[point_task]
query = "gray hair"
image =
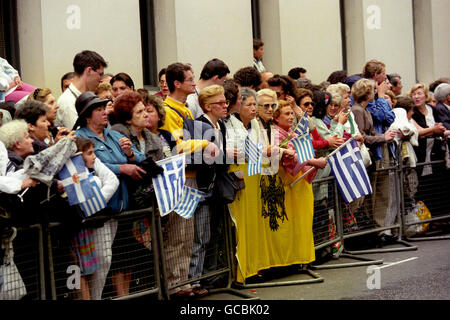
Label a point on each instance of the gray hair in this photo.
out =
(442, 91)
(13, 132)
(247, 92)
(336, 91)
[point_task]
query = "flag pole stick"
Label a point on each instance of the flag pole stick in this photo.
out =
(326, 157)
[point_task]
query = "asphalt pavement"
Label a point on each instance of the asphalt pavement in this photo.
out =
(421, 274)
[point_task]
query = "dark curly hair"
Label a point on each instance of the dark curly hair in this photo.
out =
(124, 105)
(248, 77)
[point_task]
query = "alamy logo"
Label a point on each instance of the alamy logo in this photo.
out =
(73, 21)
(374, 279)
(73, 280)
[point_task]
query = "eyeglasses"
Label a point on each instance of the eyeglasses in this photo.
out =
(100, 74)
(307, 104)
(189, 80)
(162, 82)
(221, 103)
(268, 105)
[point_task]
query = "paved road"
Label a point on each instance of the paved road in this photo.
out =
(422, 274)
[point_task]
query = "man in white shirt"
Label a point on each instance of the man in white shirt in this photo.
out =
(88, 67)
(258, 51)
(214, 72)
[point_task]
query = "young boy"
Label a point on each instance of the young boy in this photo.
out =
(99, 240)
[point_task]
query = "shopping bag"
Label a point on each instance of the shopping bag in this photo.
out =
(13, 287)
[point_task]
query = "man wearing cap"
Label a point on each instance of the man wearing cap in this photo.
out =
(442, 109)
(88, 67)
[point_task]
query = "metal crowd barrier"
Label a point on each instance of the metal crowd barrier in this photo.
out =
(380, 211)
(214, 261)
(126, 265)
(29, 259)
(148, 245)
(430, 196)
(328, 227)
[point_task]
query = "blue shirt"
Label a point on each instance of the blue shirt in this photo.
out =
(111, 154)
(382, 117)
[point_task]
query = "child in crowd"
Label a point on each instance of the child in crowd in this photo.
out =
(92, 246)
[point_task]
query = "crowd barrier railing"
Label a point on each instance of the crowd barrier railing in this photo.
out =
(328, 228)
(123, 265)
(47, 262)
(28, 257)
(185, 242)
(429, 198)
(379, 212)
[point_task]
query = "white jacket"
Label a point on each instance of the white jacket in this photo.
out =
(106, 179)
(11, 183)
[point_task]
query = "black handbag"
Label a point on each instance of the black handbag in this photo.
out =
(227, 186)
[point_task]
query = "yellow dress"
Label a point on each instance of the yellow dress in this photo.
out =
(261, 247)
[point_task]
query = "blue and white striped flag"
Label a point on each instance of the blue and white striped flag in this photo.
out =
(304, 147)
(351, 176)
(75, 178)
(169, 184)
(96, 203)
(302, 126)
(189, 202)
(254, 154)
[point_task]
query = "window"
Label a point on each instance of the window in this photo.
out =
(150, 73)
(256, 21)
(9, 43)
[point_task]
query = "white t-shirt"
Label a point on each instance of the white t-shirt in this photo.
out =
(67, 114)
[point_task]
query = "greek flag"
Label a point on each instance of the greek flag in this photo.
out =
(75, 178)
(303, 125)
(169, 184)
(96, 203)
(304, 147)
(254, 154)
(187, 205)
(351, 176)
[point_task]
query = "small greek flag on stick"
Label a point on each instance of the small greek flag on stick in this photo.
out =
(254, 154)
(304, 147)
(302, 126)
(75, 178)
(189, 202)
(351, 176)
(96, 203)
(169, 184)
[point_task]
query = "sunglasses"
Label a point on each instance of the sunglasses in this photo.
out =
(307, 104)
(221, 103)
(269, 105)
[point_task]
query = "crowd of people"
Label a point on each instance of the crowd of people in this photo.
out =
(117, 127)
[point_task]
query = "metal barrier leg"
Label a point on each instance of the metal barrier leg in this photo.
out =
(304, 269)
(228, 289)
(398, 192)
(362, 261)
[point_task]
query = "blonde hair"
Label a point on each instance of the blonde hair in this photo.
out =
(102, 87)
(267, 92)
(13, 132)
(361, 89)
(337, 91)
(425, 90)
(207, 93)
(39, 94)
(392, 96)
